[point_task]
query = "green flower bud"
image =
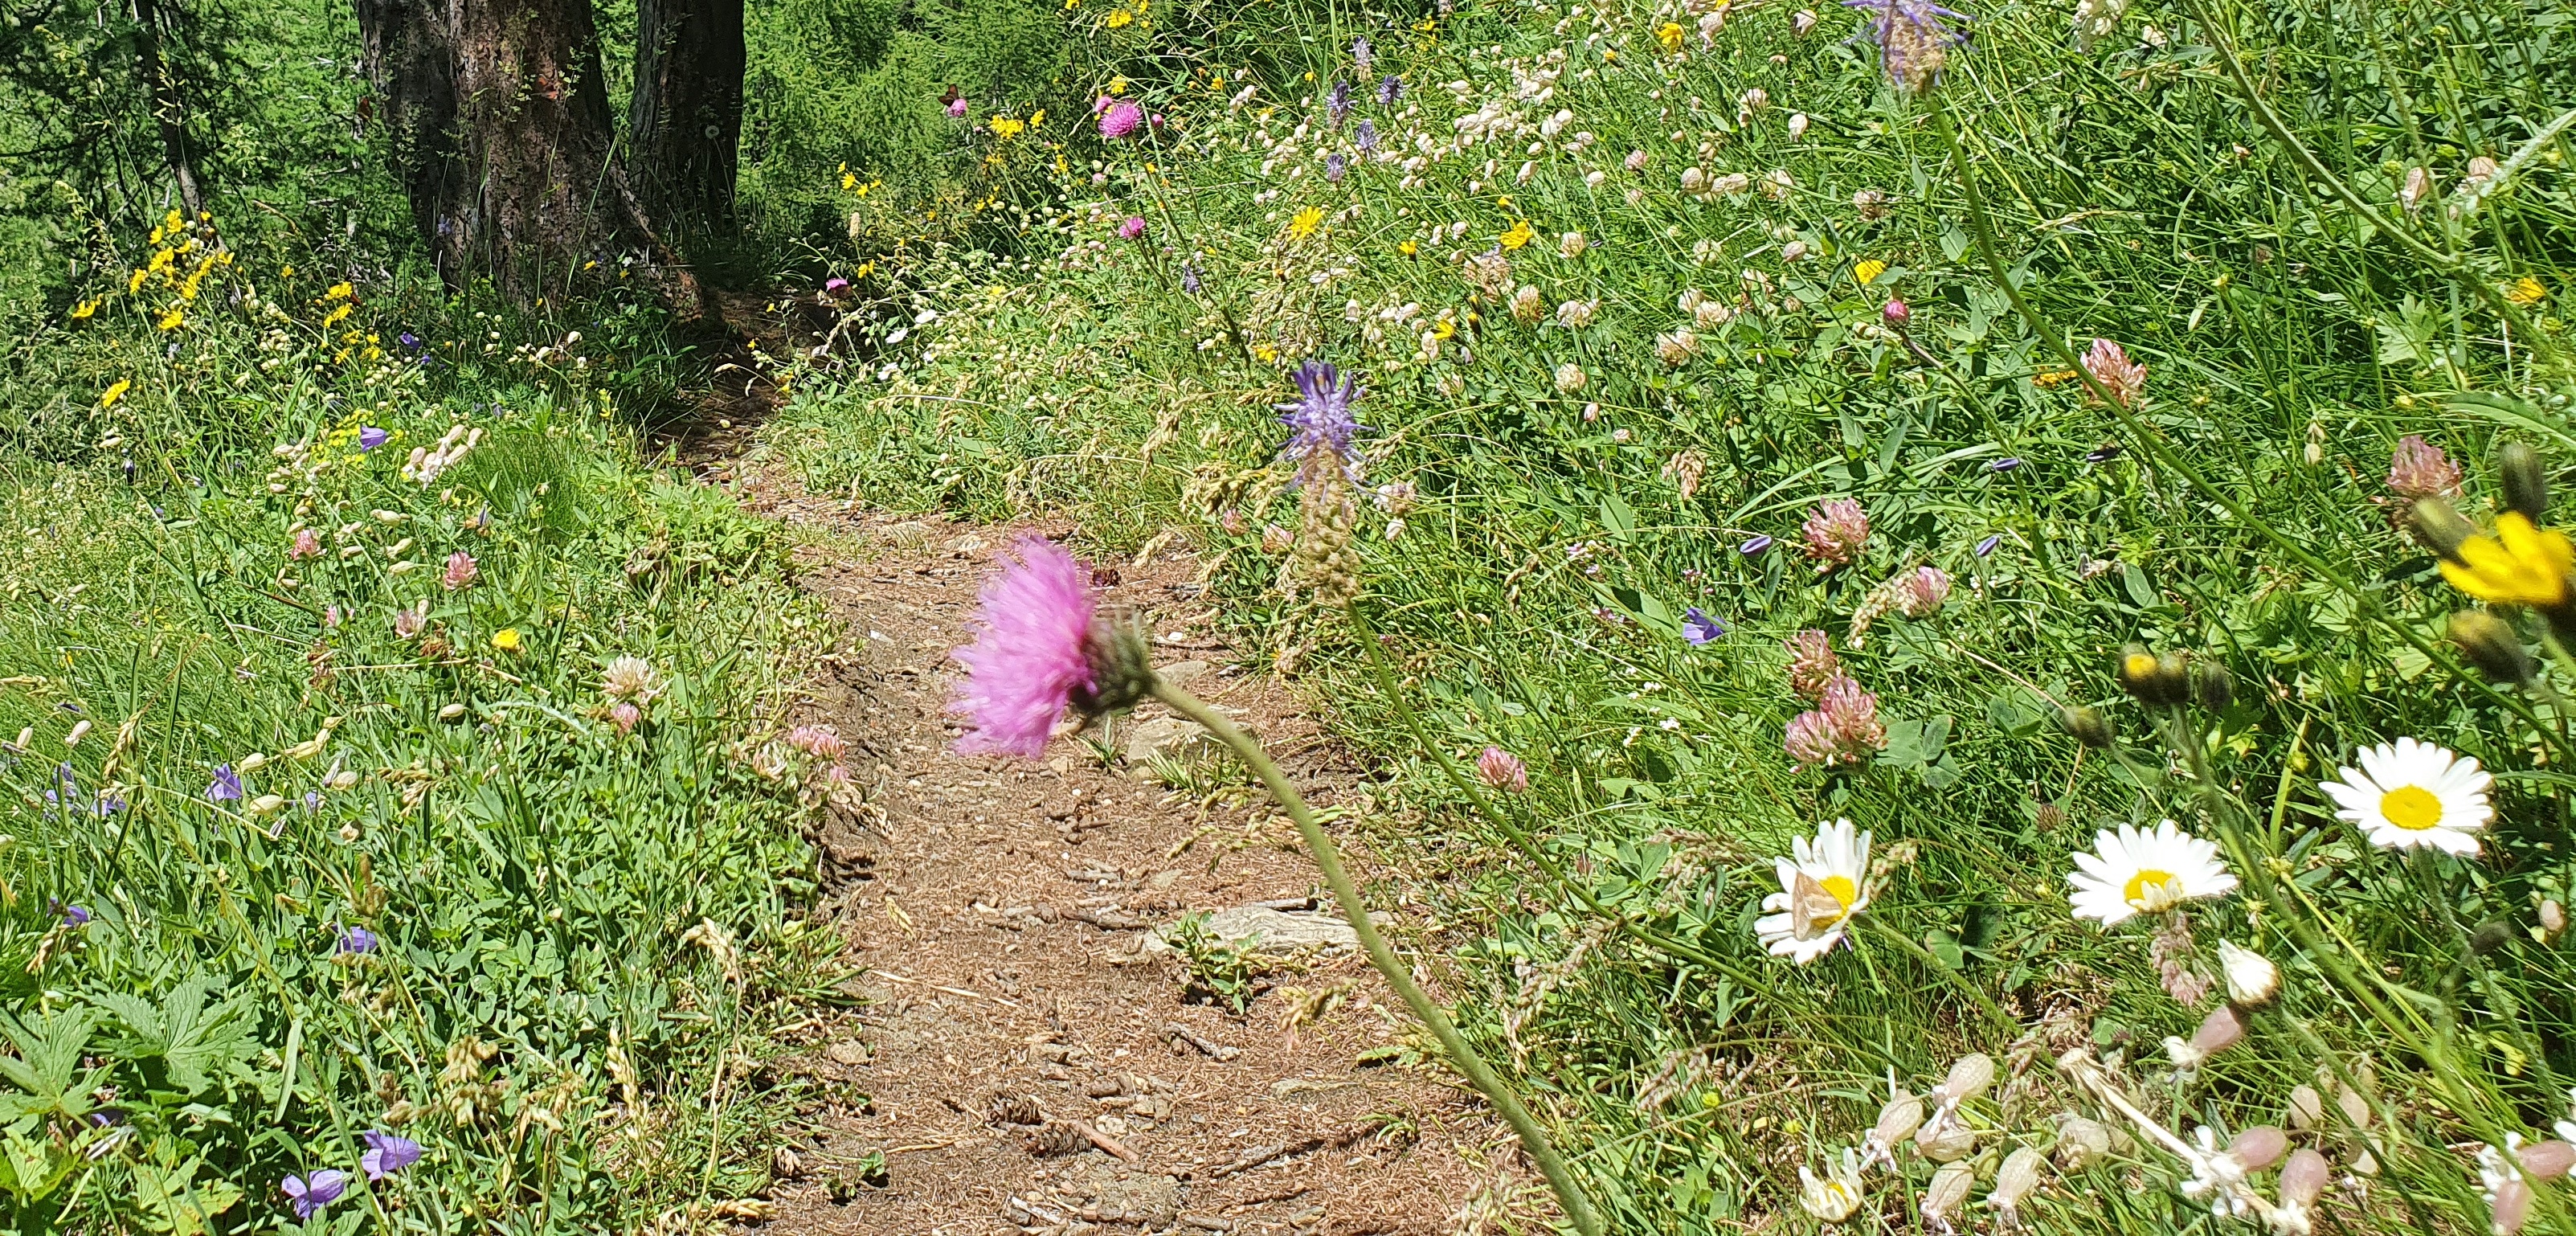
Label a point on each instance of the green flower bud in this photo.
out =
(1122, 667)
(2156, 680)
(2490, 644)
(2438, 527)
(2212, 685)
(2490, 936)
(2086, 725)
(2526, 482)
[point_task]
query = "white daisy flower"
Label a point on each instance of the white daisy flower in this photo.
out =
(2133, 872)
(1834, 1196)
(1820, 890)
(2409, 793)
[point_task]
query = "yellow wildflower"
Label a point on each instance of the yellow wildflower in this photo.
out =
(1304, 223)
(1520, 234)
(285, 272)
(848, 182)
(2526, 291)
(1005, 126)
(136, 283)
(81, 311)
(1670, 35)
(1266, 354)
(2052, 378)
(171, 320)
(2520, 565)
(107, 398)
(1037, 118)
(506, 639)
(1120, 18)
(339, 291)
(1117, 85)
(1408, 248)
(1869, 271)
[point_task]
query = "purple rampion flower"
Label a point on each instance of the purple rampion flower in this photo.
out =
(1389, 90)
(1337, 103)
(357, 940)
(1190, 281)
(1913, 38)
(1132, 228)
(1365, 137)
(409, 341)
(1031, 653)
(109, 804)
(1362, 55)
(1753, 545)
(308, 1194)
(1699, 628)
(1334, 166)
(2103, 454)
(2005, 464)
(1120, 119)
(1987, 546)
(1320, 422)
(386, 1154)
(312, 800)
(370, 437)
(72, 915)
(227, 787)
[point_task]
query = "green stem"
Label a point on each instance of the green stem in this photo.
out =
(1915, 948)
(1578, 1208)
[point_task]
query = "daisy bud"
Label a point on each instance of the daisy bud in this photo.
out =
(2438, 527)
(1947, 1192)
(2547, 1160)
(2080, 1143)
(2489, 643)
(2259, 1147)
(1968, 1079)
(2304, 1178)
(2526, 482)
(2252, 979)
(2086, 725)
(2212, 685)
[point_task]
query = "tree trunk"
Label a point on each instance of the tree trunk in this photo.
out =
(409, 56)
(686, 123)
(169, 111)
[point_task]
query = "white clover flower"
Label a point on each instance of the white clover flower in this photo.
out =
(2411, 793)
(1820, 891)
(2133, 872)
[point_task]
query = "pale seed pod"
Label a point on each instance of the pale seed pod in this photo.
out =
(1947, 1192)
(1968, 1079)
(2355, 1108)
(2081, 1143)
(2019, 1175)
(2221, 1030)
(2252, 979)
(2511, 1208)
(2304, 1177)
(2548, 1160)
(1946, 1142)
(2307, 1107)
(1897, 1121)
(2259, 1147)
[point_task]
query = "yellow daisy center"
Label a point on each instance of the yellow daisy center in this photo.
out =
(1842, 888)
(2411, 807)
(2152, 890)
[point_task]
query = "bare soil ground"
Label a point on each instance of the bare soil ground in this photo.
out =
(1022, 1061)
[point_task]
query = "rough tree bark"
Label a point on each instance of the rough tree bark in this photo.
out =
(686, 121)
(501, 122)
(169, 110)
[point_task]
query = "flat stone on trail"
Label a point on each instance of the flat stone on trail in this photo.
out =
(1271, 931)
(1123, 1195)
(1169, 737)
(1179, 673)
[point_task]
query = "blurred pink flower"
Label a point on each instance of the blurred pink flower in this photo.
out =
(307, 545)
(2419, 469)
(819, 741)
(1810, 740)
(1919, 594)
(1843, 728)
(1503, 770)
(957, 109)
(408, 622)
(1132, 229)
(1812, 663)
(1030, 652)
(1837, 531)
(461, 570)
(2110, 365)
(625, 716)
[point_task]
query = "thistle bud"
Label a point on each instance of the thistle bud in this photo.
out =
(1968, 1079)
(1122, 668)
(2548, 1160)
(2212, 685)
(2525, 481)
(2490, 936)
(2252, 979)
(2259, 1147)
(2303, 1178)
(2438, 527)
(2086, 725)
(2489, 643)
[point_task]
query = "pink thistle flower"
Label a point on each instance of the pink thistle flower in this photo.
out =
(819, 741)
(1836, 532)
(1920, 593)
(2111, 366)
(1895, 313)
(1120, 119)
(2419, 469)
(957, 109)
(1852, 713)
(461, 570)
(1031, 652)
(1132, 229)
(1503, 770)
(1812, 663)
(625, 716)
(308, 545)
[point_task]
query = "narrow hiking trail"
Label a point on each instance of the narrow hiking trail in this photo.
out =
(1024, 1059)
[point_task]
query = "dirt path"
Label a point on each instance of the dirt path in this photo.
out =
(1025, 1060)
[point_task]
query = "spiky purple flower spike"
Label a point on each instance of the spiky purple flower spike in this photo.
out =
(1914, 39)
(1320, 421)
(1039, 649)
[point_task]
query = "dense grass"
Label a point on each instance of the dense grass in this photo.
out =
(454, 898)
(1555, 537)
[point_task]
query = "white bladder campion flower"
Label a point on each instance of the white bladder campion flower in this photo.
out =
(1820, 891)
(1832, 1197)
(2410, 793)
(2133, 872)
(2252, 979)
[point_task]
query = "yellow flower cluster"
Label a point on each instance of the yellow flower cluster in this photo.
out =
(183, 255)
